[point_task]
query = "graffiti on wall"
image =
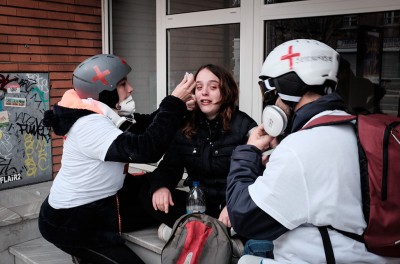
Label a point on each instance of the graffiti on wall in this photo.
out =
(25, 144)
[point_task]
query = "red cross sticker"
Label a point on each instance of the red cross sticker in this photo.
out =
(290, 57)
(100, 75)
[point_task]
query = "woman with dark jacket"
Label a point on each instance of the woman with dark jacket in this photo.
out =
(203, 147)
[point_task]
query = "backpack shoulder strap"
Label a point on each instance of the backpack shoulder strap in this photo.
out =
(385, 166)
(329, 255)
(177, 224)
(354, 236)
(328, 120)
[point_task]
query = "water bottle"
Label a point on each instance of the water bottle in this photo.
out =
(196, 200)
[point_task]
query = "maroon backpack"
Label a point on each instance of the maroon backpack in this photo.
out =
(379, 151)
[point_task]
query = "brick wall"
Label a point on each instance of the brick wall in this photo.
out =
(49, 36)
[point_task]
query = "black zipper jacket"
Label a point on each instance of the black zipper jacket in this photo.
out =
(152, 133)
(206, 156)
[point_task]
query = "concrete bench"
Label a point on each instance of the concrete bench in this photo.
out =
(144, 243)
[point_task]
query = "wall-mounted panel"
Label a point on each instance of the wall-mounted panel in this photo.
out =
(25, 144)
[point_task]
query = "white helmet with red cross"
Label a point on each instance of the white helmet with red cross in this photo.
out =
(300, 65)
(99, 73)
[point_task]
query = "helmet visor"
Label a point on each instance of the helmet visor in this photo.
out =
(268, 92)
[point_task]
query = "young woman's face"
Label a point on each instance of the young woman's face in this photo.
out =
(208, 94)
(124, 90)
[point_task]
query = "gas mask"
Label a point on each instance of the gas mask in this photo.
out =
(274, 119)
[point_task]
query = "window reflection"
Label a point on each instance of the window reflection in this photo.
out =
(134, 39)
(392, 18)
(279, 1)
(189, 48)
(186, 6)
(369, 44)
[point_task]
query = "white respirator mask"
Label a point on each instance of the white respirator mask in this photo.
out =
(274, 120)
(127, 106)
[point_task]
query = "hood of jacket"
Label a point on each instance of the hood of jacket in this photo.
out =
(66, 112)
(331, 101)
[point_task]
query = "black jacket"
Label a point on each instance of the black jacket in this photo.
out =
(146, 140)
(206, 156)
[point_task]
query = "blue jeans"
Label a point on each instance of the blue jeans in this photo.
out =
(260, 248)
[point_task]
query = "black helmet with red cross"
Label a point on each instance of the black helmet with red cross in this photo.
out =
(99, 73)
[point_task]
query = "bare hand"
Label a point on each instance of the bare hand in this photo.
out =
(224, 217)
(260, 139)
(184, 89)
(191, 104)
(264, 160)
(162, 199)
(265, 157)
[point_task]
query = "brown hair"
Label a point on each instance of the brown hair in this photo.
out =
(229, 98)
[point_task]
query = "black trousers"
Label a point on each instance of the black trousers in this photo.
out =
(92, 231)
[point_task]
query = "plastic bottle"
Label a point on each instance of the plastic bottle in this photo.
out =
(196, 200)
